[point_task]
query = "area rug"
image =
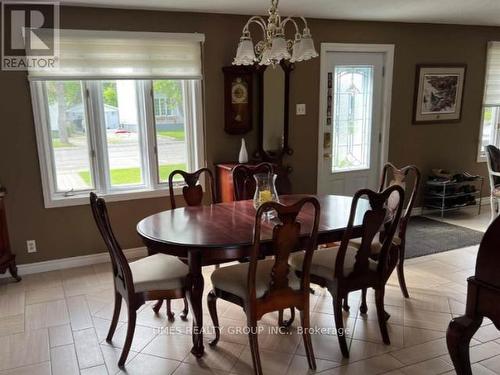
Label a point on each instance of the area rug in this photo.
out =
(426, 236)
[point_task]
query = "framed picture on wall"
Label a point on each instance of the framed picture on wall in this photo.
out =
(438, 93)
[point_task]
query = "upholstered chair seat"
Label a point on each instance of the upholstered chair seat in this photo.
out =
(376, 245)
(233, 279)
(323, 262)
(158, 272)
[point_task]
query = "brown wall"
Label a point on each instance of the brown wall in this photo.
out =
(65, 232)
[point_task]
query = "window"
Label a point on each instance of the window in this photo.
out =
(490, 119)
(120, 113)
(352, 117)
(96, 137)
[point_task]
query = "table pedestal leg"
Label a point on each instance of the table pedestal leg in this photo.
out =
(195, 285)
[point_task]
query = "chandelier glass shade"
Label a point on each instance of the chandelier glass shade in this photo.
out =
(275, 47)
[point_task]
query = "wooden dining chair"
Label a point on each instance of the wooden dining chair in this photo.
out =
(262, 286)
(483, 296)
(243, 180)
(409, 179)
(192, 192)
(154, 277)
(343, 269)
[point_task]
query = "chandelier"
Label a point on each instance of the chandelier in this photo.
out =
(274, 46)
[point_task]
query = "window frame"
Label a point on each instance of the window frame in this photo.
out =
(98, 156)
(481, 155)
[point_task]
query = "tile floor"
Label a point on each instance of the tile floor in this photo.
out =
(56, 323)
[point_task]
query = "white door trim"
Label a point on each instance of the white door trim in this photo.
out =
(388, 51)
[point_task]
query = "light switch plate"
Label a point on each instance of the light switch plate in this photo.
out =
(301, 109)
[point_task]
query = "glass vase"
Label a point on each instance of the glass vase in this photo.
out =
(265, 191)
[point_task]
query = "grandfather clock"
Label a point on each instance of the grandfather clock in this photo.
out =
(7, 259)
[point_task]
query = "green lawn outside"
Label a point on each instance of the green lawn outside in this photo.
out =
(177, 134)
(131, 176)
(56, 143)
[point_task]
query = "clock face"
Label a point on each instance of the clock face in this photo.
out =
(239, 91)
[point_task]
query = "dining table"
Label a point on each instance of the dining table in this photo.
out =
(223, 232)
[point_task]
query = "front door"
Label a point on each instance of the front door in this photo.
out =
(352, 127)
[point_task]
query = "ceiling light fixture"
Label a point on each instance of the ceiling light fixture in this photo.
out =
(274, 47)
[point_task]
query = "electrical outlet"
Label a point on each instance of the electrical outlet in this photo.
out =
(31, 245)
(300, 109)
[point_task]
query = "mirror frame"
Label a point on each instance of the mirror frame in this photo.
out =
(286, 150)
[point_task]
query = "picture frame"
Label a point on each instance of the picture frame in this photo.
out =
(439, 92)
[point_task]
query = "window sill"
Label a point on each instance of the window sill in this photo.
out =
(83, 199)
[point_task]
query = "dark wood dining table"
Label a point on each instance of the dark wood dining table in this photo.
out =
(223, 232)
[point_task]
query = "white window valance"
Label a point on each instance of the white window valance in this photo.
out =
(492, 82)
(95, 54)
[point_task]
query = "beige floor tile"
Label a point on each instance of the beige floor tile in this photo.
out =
(478, 369)
(87, 348)
(60, 335)
(151, 365)
(272, 362)
(325, 347)
(175, 347)
(10, 325)
(44, 280)
(112, 355)
(47, 314)
(492, 364)
(221, 357)
(372, 366)
(369, 330)
(11, 304)
(414, 336)
(487, 333)
(44, 295)
(430, 367)
(38, 369)
(482, 352)
(63, 360)
(427, 302)
(426, 319)
(79, 314)
(396, 312)
(102, 328)
(97, 370)
(24, 349)
(106, 312)
(187, 369)
(300, 366)
(421, 352)
(142, 337)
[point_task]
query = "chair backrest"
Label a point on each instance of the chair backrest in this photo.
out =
(408, 178)
(121, 269)
(493, 159)
(286, 239)
(488, 256)
(192, 191)
(380, 217)
(243, 181)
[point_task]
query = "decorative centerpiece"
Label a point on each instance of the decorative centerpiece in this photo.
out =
(265, 191)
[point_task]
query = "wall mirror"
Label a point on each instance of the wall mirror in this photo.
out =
(273, 86)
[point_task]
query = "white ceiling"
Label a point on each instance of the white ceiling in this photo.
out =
(468, 12)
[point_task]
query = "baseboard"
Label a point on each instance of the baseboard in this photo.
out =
(80, 261)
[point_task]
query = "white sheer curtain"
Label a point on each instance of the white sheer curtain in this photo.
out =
(96, 54)
(492, 83)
